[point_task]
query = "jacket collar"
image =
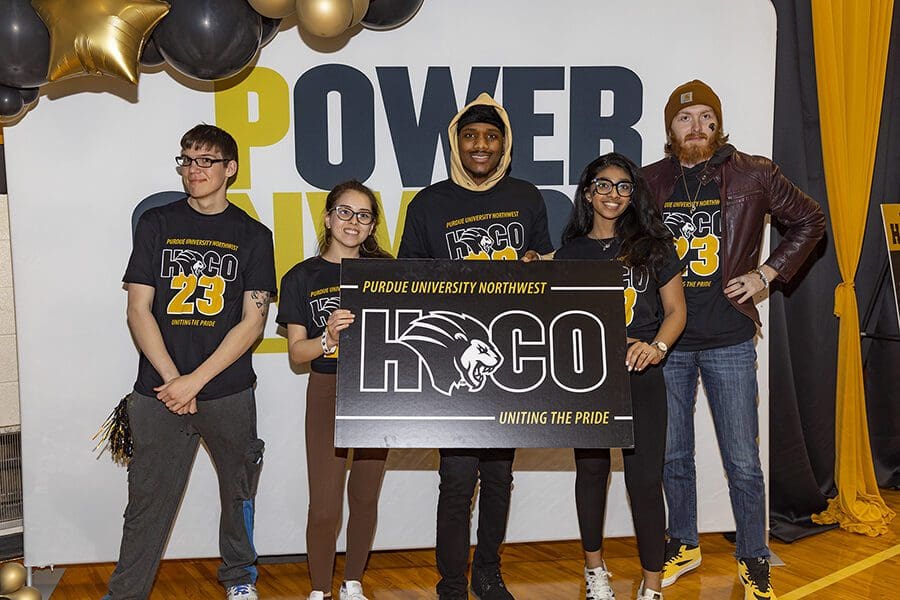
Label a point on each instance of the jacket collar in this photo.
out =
(716, 160)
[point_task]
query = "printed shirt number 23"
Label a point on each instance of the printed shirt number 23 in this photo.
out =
(707, 258)
(210, 302)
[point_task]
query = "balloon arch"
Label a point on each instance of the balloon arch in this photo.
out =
(43, 41)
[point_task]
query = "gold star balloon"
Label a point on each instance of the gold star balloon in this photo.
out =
(98, 37)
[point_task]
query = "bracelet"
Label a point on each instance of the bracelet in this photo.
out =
(325, 349)
(762, 276)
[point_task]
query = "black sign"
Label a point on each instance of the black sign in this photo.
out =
(483, 354)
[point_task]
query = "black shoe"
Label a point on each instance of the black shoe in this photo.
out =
(454, 596)
(488, 585)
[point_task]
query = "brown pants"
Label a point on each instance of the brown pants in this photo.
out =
(326, 467)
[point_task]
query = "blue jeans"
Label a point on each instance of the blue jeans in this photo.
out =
(729, 379)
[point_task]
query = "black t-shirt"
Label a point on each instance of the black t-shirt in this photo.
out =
(447, 221)
(696, 223)
(200, 266)
(309, 293)
(643, 309)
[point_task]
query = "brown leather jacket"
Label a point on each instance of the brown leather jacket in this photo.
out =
(750, 187)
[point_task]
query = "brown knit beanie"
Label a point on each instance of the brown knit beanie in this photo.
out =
(689, 94)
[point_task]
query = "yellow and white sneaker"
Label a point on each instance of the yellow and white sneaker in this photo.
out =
(754, 574)
(680, 559)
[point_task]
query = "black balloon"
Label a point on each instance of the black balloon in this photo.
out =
(269, 30)
(11, 102)
(29, 95)
(24, 45)
(388, 14)
(150, 56)
(209, 39)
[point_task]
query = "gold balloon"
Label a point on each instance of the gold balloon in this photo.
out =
(325, 18)
(360, 8)
(274, 9)
(26, 593)
(12, 577)
(98, 37)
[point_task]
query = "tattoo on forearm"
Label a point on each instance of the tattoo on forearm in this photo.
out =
(262, 299)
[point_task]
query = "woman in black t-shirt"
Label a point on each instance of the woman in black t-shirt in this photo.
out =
(615, 218)
(309, 307)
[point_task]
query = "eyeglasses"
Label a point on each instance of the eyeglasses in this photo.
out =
(605, 186)
(345, 213)
(201, 161)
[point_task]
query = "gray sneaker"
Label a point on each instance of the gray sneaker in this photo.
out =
(242, 591)
(352, 590)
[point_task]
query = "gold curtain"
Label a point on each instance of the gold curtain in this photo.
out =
(851, 41)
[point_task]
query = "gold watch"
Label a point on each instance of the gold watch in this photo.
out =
(661, 346)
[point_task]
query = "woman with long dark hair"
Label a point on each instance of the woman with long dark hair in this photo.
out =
(308, 307)
(614, 217)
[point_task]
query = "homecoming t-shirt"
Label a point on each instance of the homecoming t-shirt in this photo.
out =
(447, 221)
(643, 309)
(309, 293)
(200, 266)
(696, 224)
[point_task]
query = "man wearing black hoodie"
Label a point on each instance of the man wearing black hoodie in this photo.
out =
(714, 199)
(479, 213)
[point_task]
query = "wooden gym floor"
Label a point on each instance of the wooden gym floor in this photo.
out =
(833, 565)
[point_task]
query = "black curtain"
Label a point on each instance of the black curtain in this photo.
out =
(803, 329)
(874, 288)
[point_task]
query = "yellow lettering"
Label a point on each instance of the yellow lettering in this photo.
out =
(232, 100)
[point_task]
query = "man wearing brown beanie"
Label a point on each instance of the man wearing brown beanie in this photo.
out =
(714, 199)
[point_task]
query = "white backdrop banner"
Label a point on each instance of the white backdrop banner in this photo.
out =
(578, 78)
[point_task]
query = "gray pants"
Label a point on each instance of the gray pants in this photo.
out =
(164, 448)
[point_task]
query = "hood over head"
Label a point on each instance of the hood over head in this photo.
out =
(458, 173)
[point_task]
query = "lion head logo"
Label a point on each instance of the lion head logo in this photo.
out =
(478, 240)
(457, 350)
(322, 309)
(190, 261)
(331, 304)
(680, 225)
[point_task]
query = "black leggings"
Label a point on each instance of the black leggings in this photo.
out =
(643, 474)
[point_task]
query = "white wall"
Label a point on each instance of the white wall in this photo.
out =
(9, 367)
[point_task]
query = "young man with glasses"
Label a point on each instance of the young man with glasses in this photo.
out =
(200, 279)
(714, 199)
(479, 213)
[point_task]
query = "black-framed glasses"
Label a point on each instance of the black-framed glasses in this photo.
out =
(345, 213)
(605, 186)
(203, 162)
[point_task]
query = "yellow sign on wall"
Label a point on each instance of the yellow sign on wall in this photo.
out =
(890, 215)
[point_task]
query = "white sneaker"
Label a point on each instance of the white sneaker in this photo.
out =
(316, 596)
(242, 591)
(596, 583)
(352, 590)
(645, 594)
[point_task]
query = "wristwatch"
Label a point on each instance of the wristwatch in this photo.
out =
(661, 346)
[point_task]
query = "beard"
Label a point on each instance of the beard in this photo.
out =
(695, 153)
